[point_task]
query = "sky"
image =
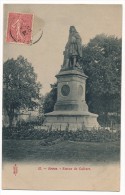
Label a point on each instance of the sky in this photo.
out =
(46, 55)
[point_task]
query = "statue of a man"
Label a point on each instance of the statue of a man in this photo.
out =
(73, 49)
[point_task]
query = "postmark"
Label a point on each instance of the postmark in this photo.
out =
(19, 29)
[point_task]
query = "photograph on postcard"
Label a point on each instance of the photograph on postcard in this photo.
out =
(61, 96)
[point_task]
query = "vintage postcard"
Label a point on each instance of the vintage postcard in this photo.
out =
(62, 97)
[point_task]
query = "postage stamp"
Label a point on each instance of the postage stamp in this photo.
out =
(19, 29)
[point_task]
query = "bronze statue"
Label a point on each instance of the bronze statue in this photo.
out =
(73, 50)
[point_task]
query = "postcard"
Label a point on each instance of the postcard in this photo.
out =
(62, 97)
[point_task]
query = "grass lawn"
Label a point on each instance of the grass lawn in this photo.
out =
(64, 151)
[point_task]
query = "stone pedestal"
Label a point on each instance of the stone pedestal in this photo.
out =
(71, 111)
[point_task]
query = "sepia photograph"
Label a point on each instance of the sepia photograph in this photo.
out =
(61, 115)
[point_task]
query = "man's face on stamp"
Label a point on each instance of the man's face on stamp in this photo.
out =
(19, 28)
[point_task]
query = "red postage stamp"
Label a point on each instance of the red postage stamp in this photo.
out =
(19, 29)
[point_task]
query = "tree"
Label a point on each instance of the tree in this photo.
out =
(50, 99)
(20, 89)
(102, 64)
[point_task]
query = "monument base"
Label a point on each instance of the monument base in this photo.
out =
(71, 120)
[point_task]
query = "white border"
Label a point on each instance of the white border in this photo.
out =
(122, 190)
(1, 60)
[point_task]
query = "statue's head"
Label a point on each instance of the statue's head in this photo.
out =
(72, 29)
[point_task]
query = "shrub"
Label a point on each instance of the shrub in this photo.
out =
(30, 132)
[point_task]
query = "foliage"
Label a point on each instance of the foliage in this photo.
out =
(20, 89)
(102, 64)
(29, 132)
(50, 99)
